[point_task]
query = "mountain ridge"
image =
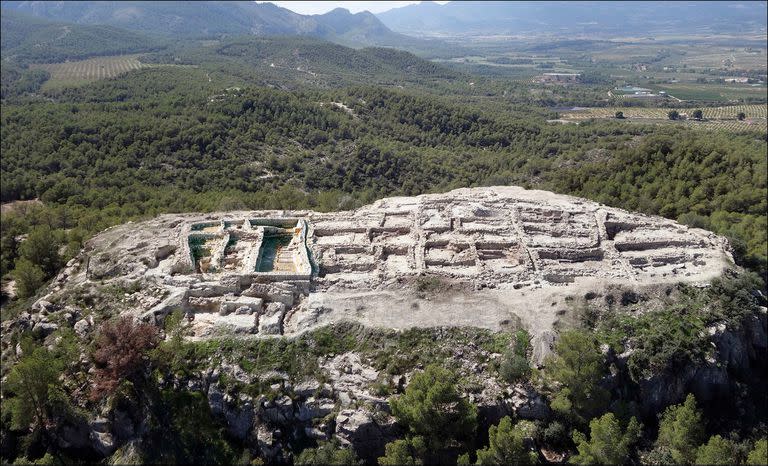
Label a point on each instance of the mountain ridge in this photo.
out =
(216, 19)
(558, 17)
(30, 39)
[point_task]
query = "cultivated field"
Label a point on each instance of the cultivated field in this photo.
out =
(730, 112)
(729, 125)
(731, 57)
(714, 117)
(92, 69)
(693, 56)
(712, 92)
(524, 65)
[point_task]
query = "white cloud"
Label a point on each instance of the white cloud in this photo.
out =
(320, 7)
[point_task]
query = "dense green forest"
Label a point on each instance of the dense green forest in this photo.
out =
(290, 62)
(27, 39)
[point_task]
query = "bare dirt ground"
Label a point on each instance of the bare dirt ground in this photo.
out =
(16, 206)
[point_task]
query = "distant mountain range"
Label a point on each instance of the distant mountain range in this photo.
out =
(216, 19)
(564, 17)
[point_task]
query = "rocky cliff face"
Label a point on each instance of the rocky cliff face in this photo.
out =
(738, 356)
(343, 405)
(348, 398)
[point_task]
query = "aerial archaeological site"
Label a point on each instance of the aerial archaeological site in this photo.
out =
(439, 233)
(266, 273)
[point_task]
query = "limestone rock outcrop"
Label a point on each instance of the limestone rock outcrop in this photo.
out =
(481, 257)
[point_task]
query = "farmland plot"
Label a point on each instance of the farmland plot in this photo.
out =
(92, 69)
(729, 112)
(714, 117)
(712, 92)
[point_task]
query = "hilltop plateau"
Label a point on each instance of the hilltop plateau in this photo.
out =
(484, 257)
(331, 312)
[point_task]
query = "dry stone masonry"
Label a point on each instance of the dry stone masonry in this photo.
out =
(485, 257)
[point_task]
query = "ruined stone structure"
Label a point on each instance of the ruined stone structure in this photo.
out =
(484, 257)
(273, 249)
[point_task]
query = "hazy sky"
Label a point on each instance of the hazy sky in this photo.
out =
(314, 8)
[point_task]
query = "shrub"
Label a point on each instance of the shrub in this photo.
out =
(42, 249)
(556, 435)
(119, 353)
(428, 284)
(406, 452)
(695, 220)
(514, 363)
(327, 453)
(577, 368)
(506, 444)
(514, 367)
(184, 431)
(759, 455)
(433, 408)
(681, 430)
(29, 278)
(607, 443)
(45, 460)
(522, 342)
(658, 456)
(31, 380)
(716, 451)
